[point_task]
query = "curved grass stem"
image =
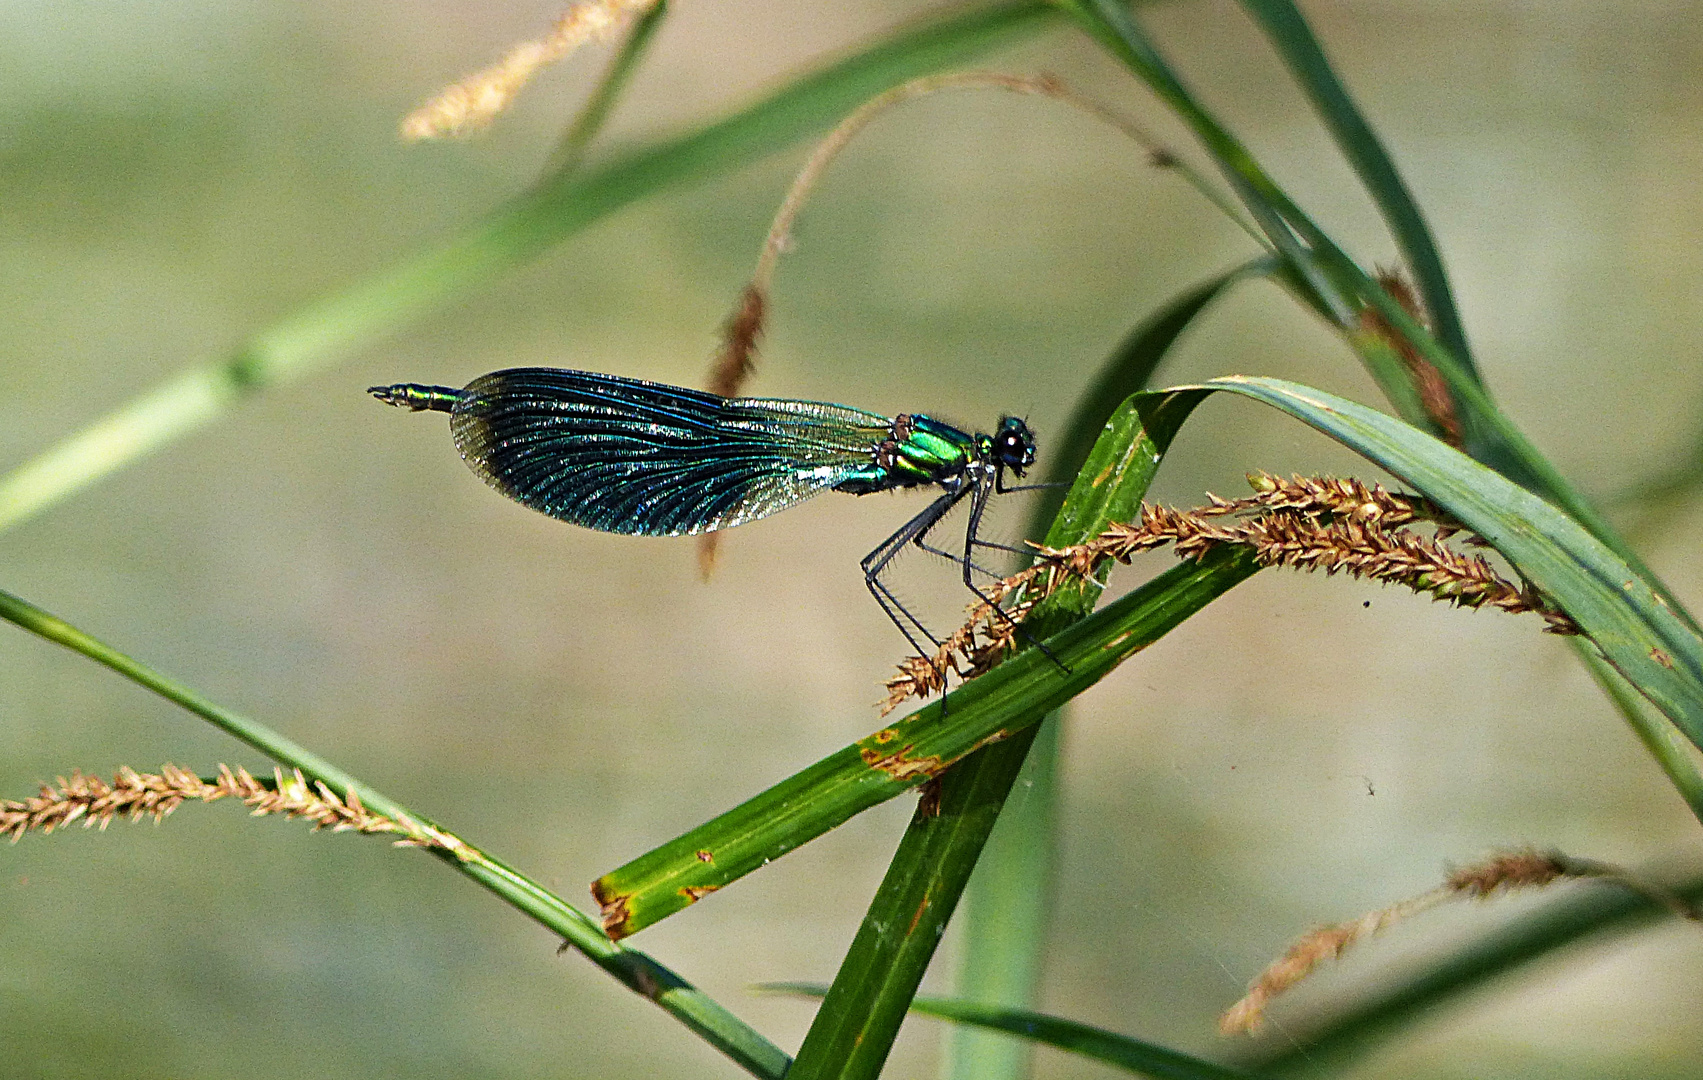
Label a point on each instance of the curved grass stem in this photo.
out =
(637, 971)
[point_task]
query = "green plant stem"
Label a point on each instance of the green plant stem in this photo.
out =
(1005, 915)
(571, 150)
(635, 970)
(1024, 1027)
(521, 229)
(859, 1019)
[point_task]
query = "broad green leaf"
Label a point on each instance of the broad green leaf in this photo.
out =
(514, 233)
(1341, 290)
(1628, 622)
(1120, 1051)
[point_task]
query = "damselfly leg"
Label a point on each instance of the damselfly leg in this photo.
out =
(978, 504)
(877, 561)
(915, 531)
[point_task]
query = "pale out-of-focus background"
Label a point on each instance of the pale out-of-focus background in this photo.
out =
(175, 175)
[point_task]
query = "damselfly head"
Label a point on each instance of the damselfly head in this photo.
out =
(1013, 445)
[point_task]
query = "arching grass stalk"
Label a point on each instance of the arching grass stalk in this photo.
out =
(637, 971)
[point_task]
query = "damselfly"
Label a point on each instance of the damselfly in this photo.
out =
(641, 458)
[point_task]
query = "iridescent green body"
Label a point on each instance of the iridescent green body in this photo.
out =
(918, 450)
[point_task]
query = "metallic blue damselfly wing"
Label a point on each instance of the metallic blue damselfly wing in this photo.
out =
(641, 458)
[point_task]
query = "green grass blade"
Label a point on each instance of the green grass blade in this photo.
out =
(1009, 699)
(43, 624)
(1587, 913)
(1289, 32)
(1493, 439)
(643, 975)
(1110, 23)
(523, 228)
(1108, 1047)
(1337, 286)
(1129, 370)
(1659, 736)
(1004, 915)
(1323, 275)
(1628, 622)
(1334, 284)
(858, 1020)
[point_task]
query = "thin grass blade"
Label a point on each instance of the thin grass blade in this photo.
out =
(1111, 23)
(1658, 734)
(1006, 911)
(1336, 1036)
(1129, 370)
(577, 139)
(1108, 1047)
(637, 971)
(1337, 286)
(1289, 32)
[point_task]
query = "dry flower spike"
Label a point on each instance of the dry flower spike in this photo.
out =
(1501, 873)
(736, 360)
(1434, 394)
(474, 102)
(1333, 524)
(136, 795)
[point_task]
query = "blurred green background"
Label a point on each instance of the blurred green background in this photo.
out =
(175, 175)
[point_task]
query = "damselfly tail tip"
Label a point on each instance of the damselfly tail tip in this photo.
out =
(416, 397)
